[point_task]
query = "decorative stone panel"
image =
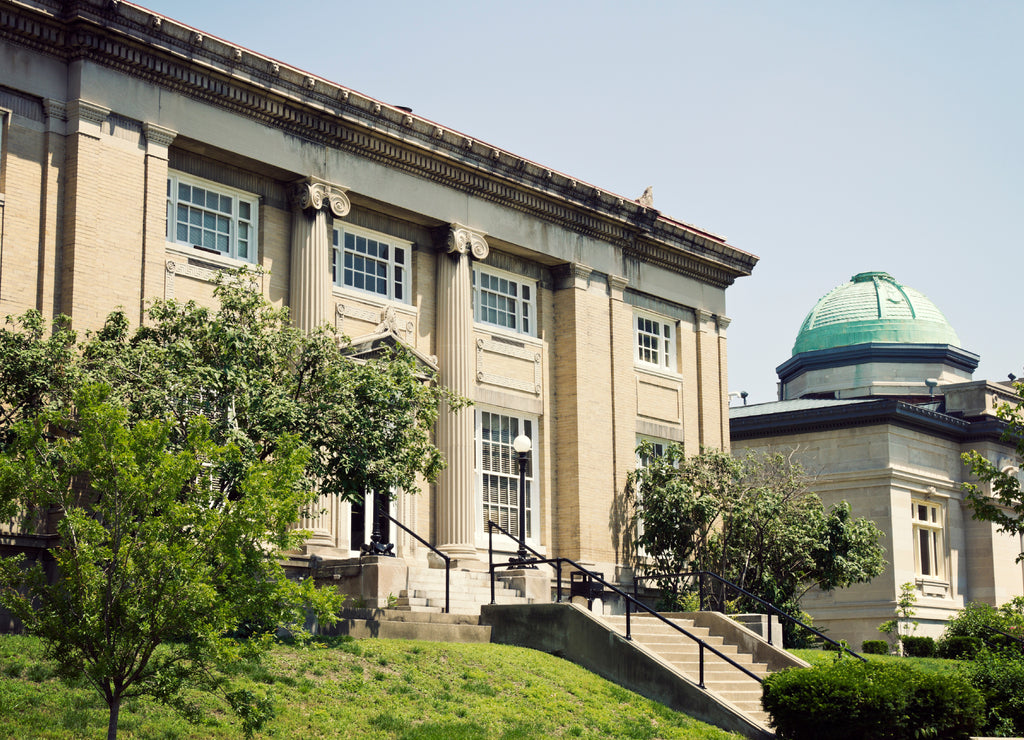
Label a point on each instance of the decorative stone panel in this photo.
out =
(508, 366)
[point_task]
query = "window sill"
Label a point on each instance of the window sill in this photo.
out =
(213, 258)
(504, 333)
(374, 299)
(657, 371)
(932, 588)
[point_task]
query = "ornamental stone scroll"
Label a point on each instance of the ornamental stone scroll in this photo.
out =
(462, 239)
(314, 193)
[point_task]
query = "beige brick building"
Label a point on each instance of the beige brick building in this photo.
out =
(138, 157)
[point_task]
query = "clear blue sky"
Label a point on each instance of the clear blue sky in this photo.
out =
(826, 138)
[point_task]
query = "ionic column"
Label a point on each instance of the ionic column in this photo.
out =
(456, 502)
(310, 284)
(309, 298)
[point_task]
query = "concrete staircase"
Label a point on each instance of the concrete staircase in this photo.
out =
(721, 678)
(469, 590)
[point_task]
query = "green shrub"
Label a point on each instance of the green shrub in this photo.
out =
(851, 700)
(1001, 681)
(976, 618)
(960, 647)
(875, 647)
(918, 647)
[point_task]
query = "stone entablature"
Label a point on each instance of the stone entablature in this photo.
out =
(136, 42)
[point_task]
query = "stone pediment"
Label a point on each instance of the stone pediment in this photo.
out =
(384, 339)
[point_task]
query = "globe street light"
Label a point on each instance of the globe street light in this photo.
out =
(522, 445)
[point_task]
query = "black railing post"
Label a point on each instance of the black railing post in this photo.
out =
(490, 554)
(770, 626)
(629, 635)
(700, 646)
(700, 590)
(558, 572)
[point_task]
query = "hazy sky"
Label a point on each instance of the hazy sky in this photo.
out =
(827, 138)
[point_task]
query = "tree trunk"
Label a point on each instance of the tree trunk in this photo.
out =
(115, 710)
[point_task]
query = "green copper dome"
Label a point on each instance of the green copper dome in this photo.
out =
(873, 307)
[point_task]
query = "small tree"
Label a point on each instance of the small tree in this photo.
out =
(154, 566)
(1000, 499)
(753, 521)
(903, 624)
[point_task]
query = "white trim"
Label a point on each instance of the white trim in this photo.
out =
(392, 243)
(521, 303)
(660, 342)
(533, 479)
(934, 529)
(236, 219)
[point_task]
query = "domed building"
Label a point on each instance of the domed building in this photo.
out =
(878, 402)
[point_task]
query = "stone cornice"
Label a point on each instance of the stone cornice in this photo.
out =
(156, 49)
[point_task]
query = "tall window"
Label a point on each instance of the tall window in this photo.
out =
(656, 450)
(211, 217)
(371, 262)
(504, 300)
(498, 469)
(929, 552)
(655, 342)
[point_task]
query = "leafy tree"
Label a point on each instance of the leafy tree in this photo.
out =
(176, 459)
(1000, 499)
(254, 377)
(903, 624)
(154, 565)
(753, 521)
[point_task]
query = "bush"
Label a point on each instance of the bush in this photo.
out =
(960, 647)
(875, 647)
(918, 647)
(1001, 682)
(851, 700)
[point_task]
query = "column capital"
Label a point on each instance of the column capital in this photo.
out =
(616, 285)
(158, 138)
(462, 239)
(315, 193)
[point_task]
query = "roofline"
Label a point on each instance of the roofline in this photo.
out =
(155, 48)
(858, 354)
(866, 413)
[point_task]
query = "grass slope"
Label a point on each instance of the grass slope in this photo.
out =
(371, 689)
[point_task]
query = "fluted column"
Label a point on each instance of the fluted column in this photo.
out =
(310, 294)
(456, 503)
(310, 285)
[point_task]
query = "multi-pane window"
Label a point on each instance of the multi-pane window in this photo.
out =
(498, 469)
(655, 342)
(371, 262)
(929, 554)
(503, 300)
(211, 217)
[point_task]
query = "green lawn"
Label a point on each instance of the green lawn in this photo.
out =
(370, 689)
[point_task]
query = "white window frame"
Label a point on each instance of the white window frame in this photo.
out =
(928, 519)
(3, 127)
(654, 341)
(397, 277)
(235, 218)
(521, 307)
(506, 471)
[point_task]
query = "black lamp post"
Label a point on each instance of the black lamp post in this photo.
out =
(522, 445)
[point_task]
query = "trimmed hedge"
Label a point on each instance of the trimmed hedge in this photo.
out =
(918, 647)
(960, 647)
(851, 700)
(875, 647)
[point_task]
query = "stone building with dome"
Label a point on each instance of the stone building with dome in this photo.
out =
(878, 402)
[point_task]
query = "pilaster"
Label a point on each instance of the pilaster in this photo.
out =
(48, 275)
(154, 226)
(456, 502)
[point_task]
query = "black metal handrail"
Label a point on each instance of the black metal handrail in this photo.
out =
(447, 560)
(998, 631)
(629, 600)
(771, 608)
